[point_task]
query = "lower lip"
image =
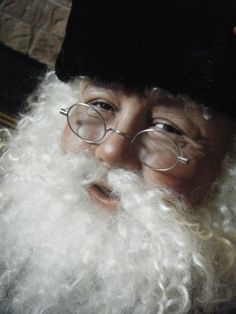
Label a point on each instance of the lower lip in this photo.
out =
(102, 198)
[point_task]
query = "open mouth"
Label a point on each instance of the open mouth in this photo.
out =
(102, 193)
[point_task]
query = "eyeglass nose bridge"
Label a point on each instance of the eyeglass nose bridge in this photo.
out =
(125, 135)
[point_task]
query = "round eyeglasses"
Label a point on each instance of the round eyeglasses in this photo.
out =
(153, 147)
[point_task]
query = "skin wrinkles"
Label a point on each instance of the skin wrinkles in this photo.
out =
(135, 113)
(93, 93)
(173, 109)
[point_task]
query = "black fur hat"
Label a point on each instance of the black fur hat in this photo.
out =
(184, 46)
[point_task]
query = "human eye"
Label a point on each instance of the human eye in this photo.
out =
(104, 108)
(167, 127)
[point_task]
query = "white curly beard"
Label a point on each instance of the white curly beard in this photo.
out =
(62, 253)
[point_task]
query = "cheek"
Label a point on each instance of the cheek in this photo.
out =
(191, 181)
(70, 143)
(175, 180)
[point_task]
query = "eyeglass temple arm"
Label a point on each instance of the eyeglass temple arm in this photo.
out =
(64, 111)
(183, 160)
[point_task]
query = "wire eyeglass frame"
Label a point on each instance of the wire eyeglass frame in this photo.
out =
(179, 158)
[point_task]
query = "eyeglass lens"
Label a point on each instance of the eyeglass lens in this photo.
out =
(86, 122)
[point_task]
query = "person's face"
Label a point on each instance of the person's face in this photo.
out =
(207, 141)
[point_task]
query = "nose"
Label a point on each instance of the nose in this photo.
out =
(117, 151)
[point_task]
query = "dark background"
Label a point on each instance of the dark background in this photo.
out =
(19, 76)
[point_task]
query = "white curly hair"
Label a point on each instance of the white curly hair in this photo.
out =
(59, 254)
